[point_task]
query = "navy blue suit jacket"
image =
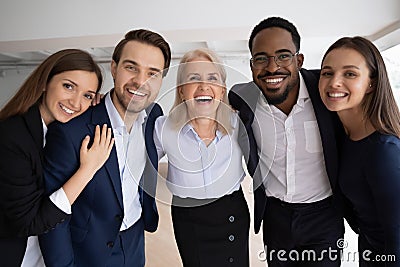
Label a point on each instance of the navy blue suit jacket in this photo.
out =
(243, 97)
(87, 238)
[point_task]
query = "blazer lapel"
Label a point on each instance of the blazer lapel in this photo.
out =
(33, 122)
(100, 117)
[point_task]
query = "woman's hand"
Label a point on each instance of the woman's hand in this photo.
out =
(94, 157)
(97, 98)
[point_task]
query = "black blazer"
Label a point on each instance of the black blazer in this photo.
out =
(243, 97)
(25, 209)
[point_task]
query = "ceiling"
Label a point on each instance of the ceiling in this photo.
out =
(29, 35)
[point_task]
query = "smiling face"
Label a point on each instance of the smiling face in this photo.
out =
(274, 81)
(344, 80)
(137, 77)
(202, 88)
(67, 95)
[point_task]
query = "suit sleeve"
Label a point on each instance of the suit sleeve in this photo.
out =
(233, 101)
(61, 162)
(383, 176)
(22, 197)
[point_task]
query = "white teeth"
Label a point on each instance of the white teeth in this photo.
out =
(69, 111)
(136, 92)
(203, 97)
(336, 94)
(277, 80)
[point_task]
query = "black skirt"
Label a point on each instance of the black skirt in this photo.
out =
(213, 234)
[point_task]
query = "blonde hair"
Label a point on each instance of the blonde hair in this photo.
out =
(179, 114)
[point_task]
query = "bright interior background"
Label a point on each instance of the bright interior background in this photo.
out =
(32, 30)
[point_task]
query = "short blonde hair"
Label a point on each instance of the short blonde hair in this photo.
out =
(224, 111)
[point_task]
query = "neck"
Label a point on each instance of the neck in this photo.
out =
(44, 114)
(205, 128)
(128, 117)
(287, 105)
(355, 124)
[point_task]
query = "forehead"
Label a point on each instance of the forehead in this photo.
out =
(344, 57)
(145, 55)
(273, 39)
(200, 65)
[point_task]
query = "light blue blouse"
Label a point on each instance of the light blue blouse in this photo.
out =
(194, 169)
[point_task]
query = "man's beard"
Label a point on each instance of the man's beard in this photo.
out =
(278, 99)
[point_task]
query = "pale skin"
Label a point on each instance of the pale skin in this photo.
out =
(67, 95)
(202, 80)
(343, 84)
(137, 79)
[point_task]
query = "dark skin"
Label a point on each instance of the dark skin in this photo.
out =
(279, 85)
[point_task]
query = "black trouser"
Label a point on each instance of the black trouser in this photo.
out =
(303, 234)
(12, 251)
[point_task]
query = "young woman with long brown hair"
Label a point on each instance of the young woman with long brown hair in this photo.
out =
(60, 88)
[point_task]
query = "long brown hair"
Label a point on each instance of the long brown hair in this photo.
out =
(31, 91)
(379, 106)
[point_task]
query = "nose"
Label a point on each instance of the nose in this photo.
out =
(204, 85)
(140, 79)
(75, 101)
(271, 66)
(335, 82)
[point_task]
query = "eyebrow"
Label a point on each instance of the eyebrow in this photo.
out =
(136, 64)
(344, 67)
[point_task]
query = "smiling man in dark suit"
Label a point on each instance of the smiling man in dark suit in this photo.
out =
(109, 217)
(293, 153)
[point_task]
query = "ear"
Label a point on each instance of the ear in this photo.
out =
(223, 91)
(300, 60)
(180, 92)
(370, 88)
(113, 69)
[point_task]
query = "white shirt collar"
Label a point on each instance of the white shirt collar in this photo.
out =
(303, 93)
(117, 123)
(44, 132)
(189, 128)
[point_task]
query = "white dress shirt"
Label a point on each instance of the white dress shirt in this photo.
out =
(290, 151)
(33, 255)
(194, 169)
(131, 153)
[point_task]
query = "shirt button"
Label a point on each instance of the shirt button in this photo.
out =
(110, 244)
(231, 238)
(230, 259)
(231, 218)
